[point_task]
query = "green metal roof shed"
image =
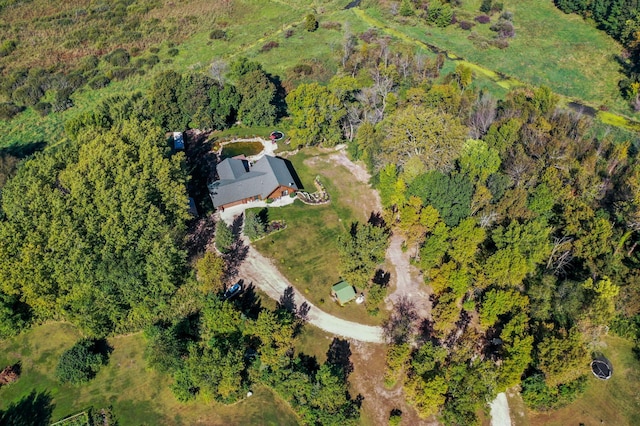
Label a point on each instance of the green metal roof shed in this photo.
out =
(344, 292)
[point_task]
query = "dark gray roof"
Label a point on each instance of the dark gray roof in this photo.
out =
(238, 181)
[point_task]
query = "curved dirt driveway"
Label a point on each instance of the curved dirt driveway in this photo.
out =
(260, 271)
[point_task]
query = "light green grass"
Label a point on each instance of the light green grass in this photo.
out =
(306, 252)
(551, 48)
(138, 396)
(610, 402)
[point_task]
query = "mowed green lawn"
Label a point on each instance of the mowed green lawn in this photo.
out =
(307, 251)
(550, 48)
(611, 402)
(138, 396)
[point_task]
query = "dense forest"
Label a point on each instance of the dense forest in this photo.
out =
(523, 218)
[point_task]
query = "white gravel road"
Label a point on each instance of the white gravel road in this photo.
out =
(261, 271)
(500, 411)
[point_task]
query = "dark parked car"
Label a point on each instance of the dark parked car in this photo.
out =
(233, 291)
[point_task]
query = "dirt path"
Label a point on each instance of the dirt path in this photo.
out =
(260, 271)
(408, 281)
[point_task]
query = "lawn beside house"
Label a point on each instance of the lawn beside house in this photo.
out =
(306, 252)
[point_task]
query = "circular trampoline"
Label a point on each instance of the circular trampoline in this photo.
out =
(601, 368)
(276, 135)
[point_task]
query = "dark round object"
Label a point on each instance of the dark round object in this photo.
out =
(601, 369)
(276, 135)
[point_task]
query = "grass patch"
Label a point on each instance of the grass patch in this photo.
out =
(611, 402)
(138, 396)
(550, 48)
(306, 252)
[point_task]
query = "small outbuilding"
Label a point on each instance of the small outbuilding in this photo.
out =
(343, 292)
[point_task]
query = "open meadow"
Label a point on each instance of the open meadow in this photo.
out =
(137, 395)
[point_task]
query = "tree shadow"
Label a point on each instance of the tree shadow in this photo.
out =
(236, 225)
(234, 258)
(308, 364)
(34, 409)
(338, 357)
(102, 347)
(287, 301)
(23, 150)
(200, 234)
(377, 220)
(248, 302)
(381, 278)
(201, 164)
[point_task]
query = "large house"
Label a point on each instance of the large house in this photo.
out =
(241, 182)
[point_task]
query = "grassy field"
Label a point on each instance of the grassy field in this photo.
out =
(612, 402)
(138, 396)
(551, 48)
(306, 252)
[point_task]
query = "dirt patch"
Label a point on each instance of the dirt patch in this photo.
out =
(367, 380)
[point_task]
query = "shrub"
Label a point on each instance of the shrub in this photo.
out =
(7, 47)
(117, 74)
(504, 29)
(500, 43)
(482, 19)
(154, 50)
(507, 16)
(153, 60)
(224, 237)
(310, 22)
(8, 110)
(80, 363)
(218, 34)
(173, 52)
(303, 69)
(466, 25)
(331, 25)
(497, 7)
(42, 108)
(369, 36)
(89, 63)
(288, 33)
(485, 7)
(99, 82)
(61, 100)
(27, 95)
(269, 45)
(118, 58)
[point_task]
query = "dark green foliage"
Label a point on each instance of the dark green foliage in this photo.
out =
(163, 102)
(173, 52)
(242, 66)
(449, 194)
(97, 227)
(99, 82)
(485, 7)
(61, 100)
(14, 315)
(538, 396)
(8, 110)
(406, 8)
(257, 107)
(42, 108)
(439, 13)
(7, 47)
(224, 103)
(118, 58)
(254, 224)
(218, 34)
(224, 237)
(361, 250)
(166, 346)
(27, 95)
(102, 417)
(80, 363)
(310, 22)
